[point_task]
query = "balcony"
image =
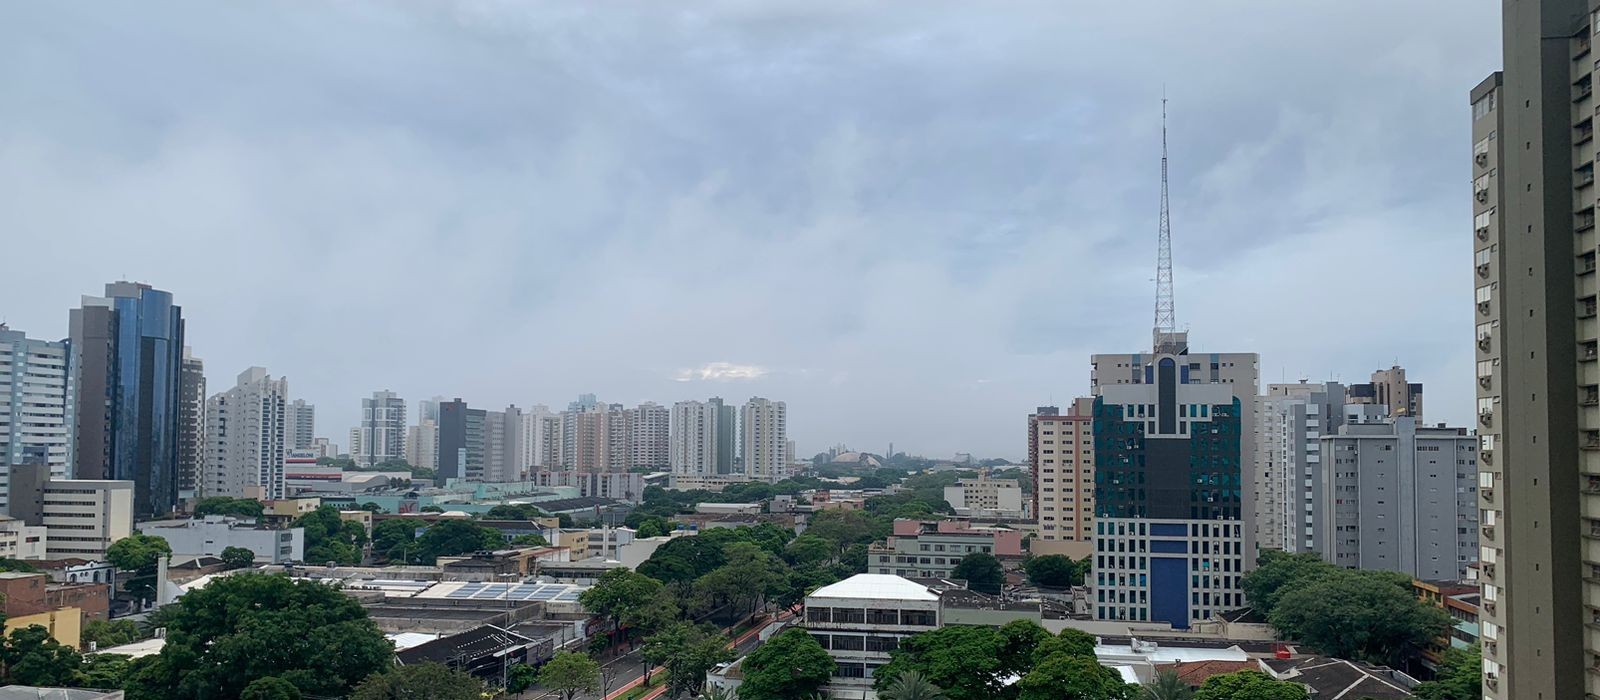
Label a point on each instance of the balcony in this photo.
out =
(1589, 351)
(1584, 220)
(1486, 418)
(1582, 89)
(1586, 307)
(1486, 456)
(1491, 680)
(1583, 132)
(1584, 175)
(1591, 483)
(1487, 531)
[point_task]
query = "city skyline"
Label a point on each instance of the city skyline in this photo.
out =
(908, 278)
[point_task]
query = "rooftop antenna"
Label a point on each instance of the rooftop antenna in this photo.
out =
(1166, 322)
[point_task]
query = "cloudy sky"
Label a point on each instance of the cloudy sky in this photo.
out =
(912, 221)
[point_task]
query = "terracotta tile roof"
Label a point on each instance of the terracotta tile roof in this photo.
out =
(1196, 672)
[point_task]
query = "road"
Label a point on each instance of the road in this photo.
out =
(627, 671)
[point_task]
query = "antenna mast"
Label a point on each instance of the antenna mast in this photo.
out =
(1166, 323)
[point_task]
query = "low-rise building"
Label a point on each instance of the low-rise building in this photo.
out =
(1461, 600)
(19, 540)
(81, 517)
(93, 599)
(984, 497)
(922, 549)
(76, 570)
(728, 508)
(861, 619)
(627, 487)
(714, 483)
(214, 533)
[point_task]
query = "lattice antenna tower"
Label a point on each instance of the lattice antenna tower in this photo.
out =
(1166, 321)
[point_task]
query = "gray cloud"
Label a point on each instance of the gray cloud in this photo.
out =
(937, 211)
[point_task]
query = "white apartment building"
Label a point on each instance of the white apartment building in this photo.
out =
(422, 445)
(245, 437)
(984, 497)
(1294, 418)
(764, 433)
(300, 425)
(1061, 453)
(35, 416)
(541, 438)
(210, 535)
(694, 438)
(382, 435)
(861, 619)
(649, 440)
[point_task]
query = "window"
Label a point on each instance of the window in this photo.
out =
(1484, 256)
(1483, 107)
(1485, 294)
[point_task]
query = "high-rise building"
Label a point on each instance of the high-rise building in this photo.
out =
(428, 409)
(1173, 479)
(695, 438)
(1392, 495)
(1389, 388)
(1534, 249)
(300, 424)
(502, 438)
(1294, 417)
(583, 432)
(35, 386)
(245, 438)
(541, 438)
(382, 435)
(764, 437)
(128, 350)
(1061, 454)
(461, 442)
(616, 440)
(727, 434)
(191, 424)
(422, 445)
(649, 438)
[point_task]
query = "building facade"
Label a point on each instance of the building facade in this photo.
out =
(210, 535)
(1389, 388)
(1061, 454)
(1294, 417)
(764, 439)
(191, 424)
(861, 619)
(382, 435)
(461, 441)
(422, 444)
(583, 438)
(1534, 249)
(984, 497)
(128, 351)
(300, 425)
(81, 517)
(245, 437)
(1174, 505)
(502, 445)
(541, 438)
(35, 386)
(920, 549)
(694, 438)
(1391, 495)
(649, 441)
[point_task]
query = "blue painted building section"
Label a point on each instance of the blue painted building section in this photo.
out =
(1169, 591)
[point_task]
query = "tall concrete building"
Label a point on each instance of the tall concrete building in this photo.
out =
(428, 409)
(1392, 495)
(382, 435)
(461, 442)
(35, 389)
(694, 438)
(127, 348)
(300, 424)
(727, 434)
(764, 439)
(1534, 248)
(422, 445)
(616, 440)
(1294, 417)
(541, 438)
(583, 438)
(191, 424)
(246, 437)
(649, 439)
(1389, 388)
(502, 445)
(1174, 506)
(1061, 454)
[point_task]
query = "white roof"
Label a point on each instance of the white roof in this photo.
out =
(143, 647)
(1128, 676)
(406, 640)
(1165, 655)
(876, 587)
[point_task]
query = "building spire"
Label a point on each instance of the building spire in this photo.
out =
(1166, 322)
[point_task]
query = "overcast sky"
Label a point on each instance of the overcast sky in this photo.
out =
(913, 222)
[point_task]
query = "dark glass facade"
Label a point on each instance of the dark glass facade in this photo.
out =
(1198, 478)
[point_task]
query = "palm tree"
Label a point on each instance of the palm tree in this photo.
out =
(912, 685)
(1167, 686)
(717, 692)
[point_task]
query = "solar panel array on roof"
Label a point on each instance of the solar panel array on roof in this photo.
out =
(516, 591)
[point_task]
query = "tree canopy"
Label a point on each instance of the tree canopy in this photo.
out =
(1248, 685)
(1072, 677)
(570, 673)
(1460, 677)
(686, 652)
(631, 600)
(329, 538)
(416, 682)
(247, 626)
(140, 554)
(448, 538)
(790, 666)
(223, 505)
(982, 572)
(1056, 571)
(1366, 615)
(237, 557)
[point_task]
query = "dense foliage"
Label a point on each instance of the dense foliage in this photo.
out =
(976, 663)
(140, 554)
(686, 652)
(1056, 571)
(430, 681)
(328, 538)
(1249, 685)
(1460, 677)
(790, 666)
(982, 572)
(396, 540)
(110, 633)
(247, 626)
(1365, 615)
(237, 557)
(570, 673)
(222, 505)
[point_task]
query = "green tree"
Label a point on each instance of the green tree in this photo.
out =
(631, 600)
(981, 571)
(372, 507)
(686, 653)
(1066, 677)
(1460, 677)
(250, 625)
(1279, 572)
(1362, 615)
(569, 673)
(911, 685)
(222, 505)
(105, 671)
(1055, 571)
(270, 688)
(448, 538)
(139, 553)
(846, 527)
(654, 527)
(1167, 685)
(969, 663)
(329, 538)
(31, 657)
(521, 677)
(747, 577)
(790, 666)
(237, 557)
(810, 549)
(529, 540)
(428, 681)
(395, 539)
(1070, 642)
(110, 633)
(1248, 685)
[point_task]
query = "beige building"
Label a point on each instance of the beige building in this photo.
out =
(1538, 367)
(1061, 454)
(1389, 388)
(984, 497)
(764, 439)
(81, 517)
(19, 540)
